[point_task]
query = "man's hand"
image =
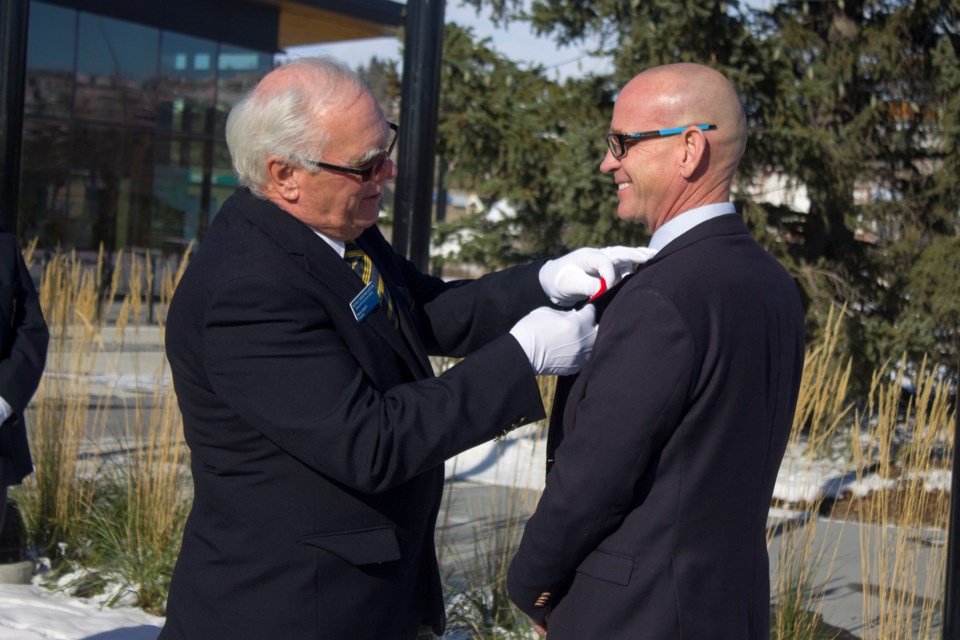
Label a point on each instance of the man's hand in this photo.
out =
(541, 629)
(557, 342)
(577, 275)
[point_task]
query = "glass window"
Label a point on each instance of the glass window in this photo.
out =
(44, 177)
(187, 87)
(223, 181)
(49, 76)
(178, 178)
(116, 70)
(238, 71)
(111, 194)
(123, 131)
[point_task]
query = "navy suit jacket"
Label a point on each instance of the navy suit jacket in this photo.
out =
(652, 520)
(317, 442)
(23, 354)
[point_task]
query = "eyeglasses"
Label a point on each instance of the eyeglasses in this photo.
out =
(373, 167)
(618, 141)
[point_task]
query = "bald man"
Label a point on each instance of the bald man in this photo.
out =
(652, 521)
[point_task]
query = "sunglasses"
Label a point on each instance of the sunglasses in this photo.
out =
(370, 169)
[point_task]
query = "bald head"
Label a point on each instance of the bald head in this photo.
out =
(659, 178)
(687, 93)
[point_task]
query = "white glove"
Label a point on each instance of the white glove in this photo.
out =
(625, 259)
(586, 272)
(557, 342)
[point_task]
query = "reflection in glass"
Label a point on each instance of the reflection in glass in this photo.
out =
(187, 86)
(222, 180)
(49, 76)
(178, 193)
(116, 70)
(110, 194)
(123, 131)
(238, 71)
(43, 182)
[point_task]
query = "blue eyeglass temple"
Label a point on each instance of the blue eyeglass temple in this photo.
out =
(676, 130)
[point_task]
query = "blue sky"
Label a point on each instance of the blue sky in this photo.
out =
(516, 43)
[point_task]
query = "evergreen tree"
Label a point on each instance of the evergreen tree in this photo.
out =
(856, 102)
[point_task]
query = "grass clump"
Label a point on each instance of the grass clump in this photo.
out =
(108, 500)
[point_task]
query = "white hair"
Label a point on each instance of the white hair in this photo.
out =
(281, 116)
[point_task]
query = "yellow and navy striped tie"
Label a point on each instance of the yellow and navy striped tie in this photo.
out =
(363, 266)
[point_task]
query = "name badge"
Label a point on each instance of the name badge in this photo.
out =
(365, 302)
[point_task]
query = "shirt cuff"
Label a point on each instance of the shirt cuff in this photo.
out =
(5, 410)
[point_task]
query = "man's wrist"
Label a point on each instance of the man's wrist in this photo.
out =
(5, 410)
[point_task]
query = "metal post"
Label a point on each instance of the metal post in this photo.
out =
(13, 62)
(951, 590)
(419, 106)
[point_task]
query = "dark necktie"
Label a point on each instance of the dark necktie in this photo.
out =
(363, 266)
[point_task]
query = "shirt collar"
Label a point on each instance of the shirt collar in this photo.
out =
(687, 220)
(337, 245)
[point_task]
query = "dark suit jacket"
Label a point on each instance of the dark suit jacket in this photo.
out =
(317, 441)
(652, 521)
(23, 354)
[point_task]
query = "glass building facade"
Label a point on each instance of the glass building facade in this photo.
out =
(123, 133)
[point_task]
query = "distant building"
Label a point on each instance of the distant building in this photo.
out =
(125, 102)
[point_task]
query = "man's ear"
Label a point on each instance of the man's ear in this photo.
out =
(284, 178)
(693, 152)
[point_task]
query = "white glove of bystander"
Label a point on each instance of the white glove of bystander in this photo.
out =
(577, 275)
(557, 342)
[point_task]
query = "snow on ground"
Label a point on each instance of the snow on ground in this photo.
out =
(29, 612)
(518, 460)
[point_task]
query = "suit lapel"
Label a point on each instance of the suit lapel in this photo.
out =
(323, 264)
(393, 281)
(721, 225)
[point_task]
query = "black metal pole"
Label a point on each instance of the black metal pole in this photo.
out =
(951, 590)
(419, 106)
(13, 61)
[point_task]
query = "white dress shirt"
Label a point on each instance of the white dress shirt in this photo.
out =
(679, 225)
(337, 245)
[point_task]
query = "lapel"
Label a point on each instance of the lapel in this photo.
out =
(331, 271)
(719, 226)
(382, 255)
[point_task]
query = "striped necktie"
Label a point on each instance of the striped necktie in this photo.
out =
(363, 266)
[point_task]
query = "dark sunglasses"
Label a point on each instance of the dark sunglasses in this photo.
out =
(372, 168)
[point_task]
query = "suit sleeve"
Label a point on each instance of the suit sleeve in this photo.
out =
(636, 383)
(456, 318)
(275, 358)
(25, 353)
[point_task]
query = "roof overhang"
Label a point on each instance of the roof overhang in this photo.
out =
(264, 25)
(314, 21)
